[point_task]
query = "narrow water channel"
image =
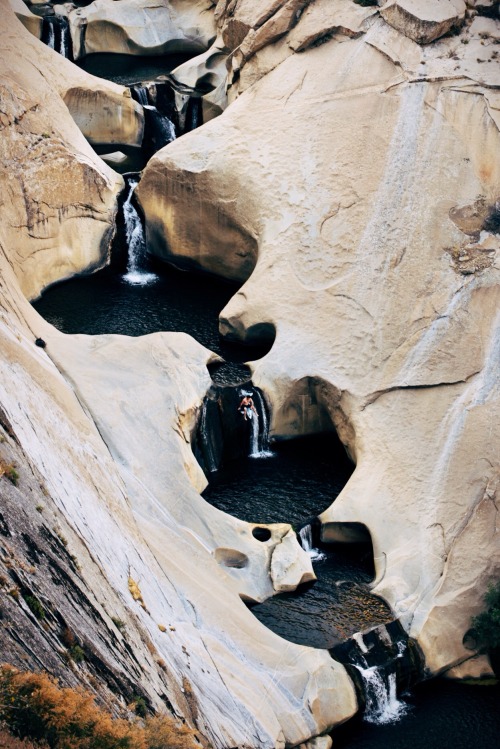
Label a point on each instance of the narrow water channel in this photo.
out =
(295, 483)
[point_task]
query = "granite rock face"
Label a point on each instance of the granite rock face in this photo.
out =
(363, 173)
(108, 489)
(424, 20)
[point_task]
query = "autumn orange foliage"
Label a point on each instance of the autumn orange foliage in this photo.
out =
(35, 708)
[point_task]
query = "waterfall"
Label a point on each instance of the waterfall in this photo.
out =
(259, 428)
(306, 541)
(263, 444)
(210, 458)
(228, 430)
(382, 658)
(194, 114)
(136, 243)
(140, 94)
(382, 704)
(56, 35)
(160, 131)
(254, 435)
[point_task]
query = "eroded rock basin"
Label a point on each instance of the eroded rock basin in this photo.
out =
(292, 485)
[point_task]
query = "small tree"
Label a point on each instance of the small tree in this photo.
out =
(486, 625)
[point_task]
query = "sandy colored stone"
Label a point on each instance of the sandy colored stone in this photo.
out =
(320, 742)
(323, 18)
(52, 233)
(144, 429)
(236, 18)
(485, 27)
(290, 568)
(423, 20)
(142, 27)
(207, 71)
(274, 28)
(478, 667)
(348, 181)
(32, 22)
(105, 121)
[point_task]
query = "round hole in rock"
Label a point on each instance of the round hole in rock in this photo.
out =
(230, 558)
(261, 534)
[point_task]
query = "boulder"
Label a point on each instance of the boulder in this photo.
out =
(206, 72)
(53, 233)
(28, 19)
(142, 27)
(324, 18)
(290, 566)
(424, 20)
(106, 120)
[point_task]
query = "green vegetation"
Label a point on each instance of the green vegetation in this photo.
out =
(9, 471)
(486, 625)
(35, 606)
(119, 623)
(76, 653)
(35, 709)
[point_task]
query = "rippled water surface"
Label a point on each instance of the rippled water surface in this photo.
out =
(299, 481)
(129, 69)
(177, 301)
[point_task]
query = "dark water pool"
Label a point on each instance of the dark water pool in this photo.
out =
(299, 481)
(441, 715)
(130, 69)
(176, 301)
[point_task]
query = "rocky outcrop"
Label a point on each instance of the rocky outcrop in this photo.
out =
(106, 120)
(51, 233)
(366, 194)
(28, 19)
(142, 27)
(153, 575)
(424, 20)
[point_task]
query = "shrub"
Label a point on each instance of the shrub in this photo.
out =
(33, 707)
(9, 470)
(486, 625)
(7, 741)
(35, 606)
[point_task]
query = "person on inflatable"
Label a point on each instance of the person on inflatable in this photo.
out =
(246, 407)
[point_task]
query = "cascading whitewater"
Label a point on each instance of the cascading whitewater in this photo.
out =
(259, 429)
(263, 450)
(382, 704)
(56, 35)
(140, 94)
(136, 243)
(160, 131)
(306, 541)
(229, 430)
(211, 461)
(376, 655)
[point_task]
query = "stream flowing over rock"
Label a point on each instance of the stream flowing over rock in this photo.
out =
(352, 183)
